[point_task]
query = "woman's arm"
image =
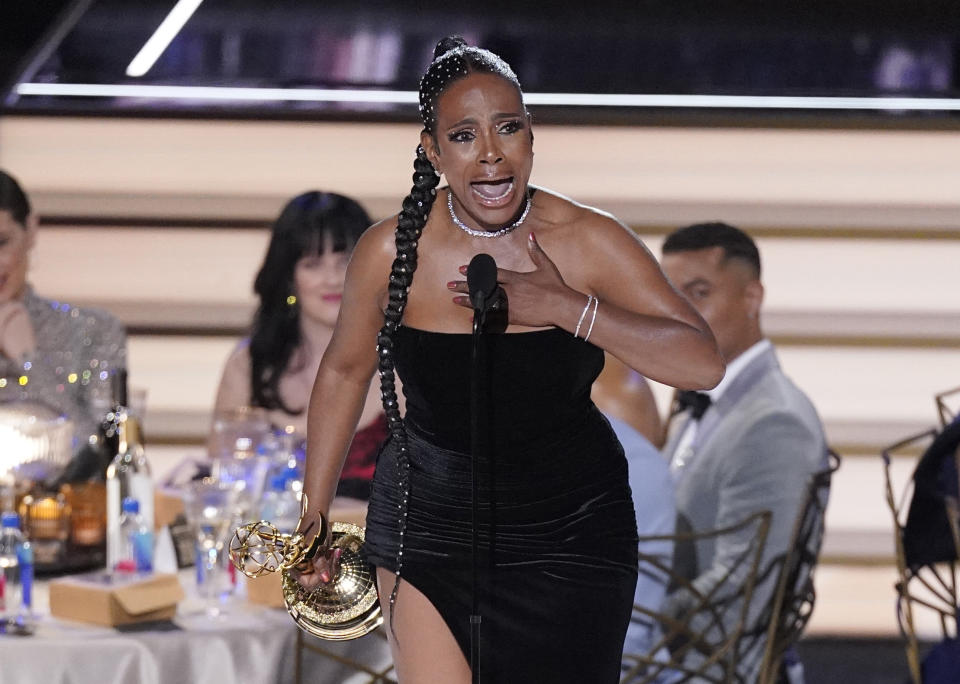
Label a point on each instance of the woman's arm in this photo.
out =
(641, 319)
(233, 392)
(350, 360)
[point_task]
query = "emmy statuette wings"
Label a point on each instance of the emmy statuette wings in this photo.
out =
(346, 607)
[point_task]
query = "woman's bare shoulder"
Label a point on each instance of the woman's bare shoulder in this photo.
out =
(234, 388)
(378, 241)
(569, 215)
(239, 358)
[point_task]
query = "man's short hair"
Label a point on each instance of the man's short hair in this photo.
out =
(735, 243)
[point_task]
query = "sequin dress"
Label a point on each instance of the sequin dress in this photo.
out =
(558, 536)
(78, 349)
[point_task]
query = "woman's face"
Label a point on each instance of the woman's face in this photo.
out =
(318, 283)
(483, 145)
(16, 240)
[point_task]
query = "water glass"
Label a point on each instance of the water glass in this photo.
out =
(213, 508)
(240, 448)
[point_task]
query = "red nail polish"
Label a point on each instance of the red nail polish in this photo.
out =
(452, 284)
(462, 269)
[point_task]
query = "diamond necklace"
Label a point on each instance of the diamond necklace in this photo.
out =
(484, 233)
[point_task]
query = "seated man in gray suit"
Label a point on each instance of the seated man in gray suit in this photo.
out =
(751, 443)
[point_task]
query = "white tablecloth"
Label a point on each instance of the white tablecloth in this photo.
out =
(248, 644)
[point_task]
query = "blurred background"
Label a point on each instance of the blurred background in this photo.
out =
(830, 132)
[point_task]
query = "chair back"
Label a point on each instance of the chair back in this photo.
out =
(785, 616)
(947, 403)
(365, 660)
(701, 644)
(927, 544)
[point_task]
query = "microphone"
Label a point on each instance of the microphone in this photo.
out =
(482, 281)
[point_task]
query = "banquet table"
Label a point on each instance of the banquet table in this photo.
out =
(246, 644)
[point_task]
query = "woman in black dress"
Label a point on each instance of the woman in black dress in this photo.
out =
(558, 534)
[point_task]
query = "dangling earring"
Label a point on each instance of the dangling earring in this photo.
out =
(291, 300)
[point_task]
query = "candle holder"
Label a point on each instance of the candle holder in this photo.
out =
(45, 520)
(88, 520)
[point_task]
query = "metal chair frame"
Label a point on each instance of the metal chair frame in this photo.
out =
(944, 412)
(932, 588)
(715, 641)
(306, 642)
(793, 600)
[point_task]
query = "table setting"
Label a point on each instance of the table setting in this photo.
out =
(189, 615)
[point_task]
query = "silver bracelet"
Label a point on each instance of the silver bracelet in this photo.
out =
(576, 333)
(596, 305)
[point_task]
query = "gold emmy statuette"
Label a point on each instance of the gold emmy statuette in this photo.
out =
(345, 608)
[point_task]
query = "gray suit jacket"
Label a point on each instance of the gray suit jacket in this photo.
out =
(755, 450)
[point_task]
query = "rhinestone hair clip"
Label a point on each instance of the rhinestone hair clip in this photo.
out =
(483, 233)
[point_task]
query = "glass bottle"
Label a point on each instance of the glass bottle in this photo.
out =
(128, 475)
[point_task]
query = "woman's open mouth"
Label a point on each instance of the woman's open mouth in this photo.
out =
(493, 193)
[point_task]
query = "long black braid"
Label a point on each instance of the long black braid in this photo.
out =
(416, 208)
(453, 59)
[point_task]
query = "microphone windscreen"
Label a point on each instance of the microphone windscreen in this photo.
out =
(481, 277)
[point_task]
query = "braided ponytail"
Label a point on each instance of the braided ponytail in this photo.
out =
(416, 208)
(453, 59)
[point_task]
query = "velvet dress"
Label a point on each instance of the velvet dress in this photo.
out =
(558, 538)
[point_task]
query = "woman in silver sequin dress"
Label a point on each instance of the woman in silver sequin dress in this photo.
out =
(51, 352)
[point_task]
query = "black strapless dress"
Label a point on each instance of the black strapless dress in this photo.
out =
(558, 534)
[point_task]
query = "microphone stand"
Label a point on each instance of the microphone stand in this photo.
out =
(489, 311)
(479, 422)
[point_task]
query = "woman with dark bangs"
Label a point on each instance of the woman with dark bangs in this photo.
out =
(300, 285)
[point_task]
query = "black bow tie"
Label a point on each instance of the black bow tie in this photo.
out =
(698, 402)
